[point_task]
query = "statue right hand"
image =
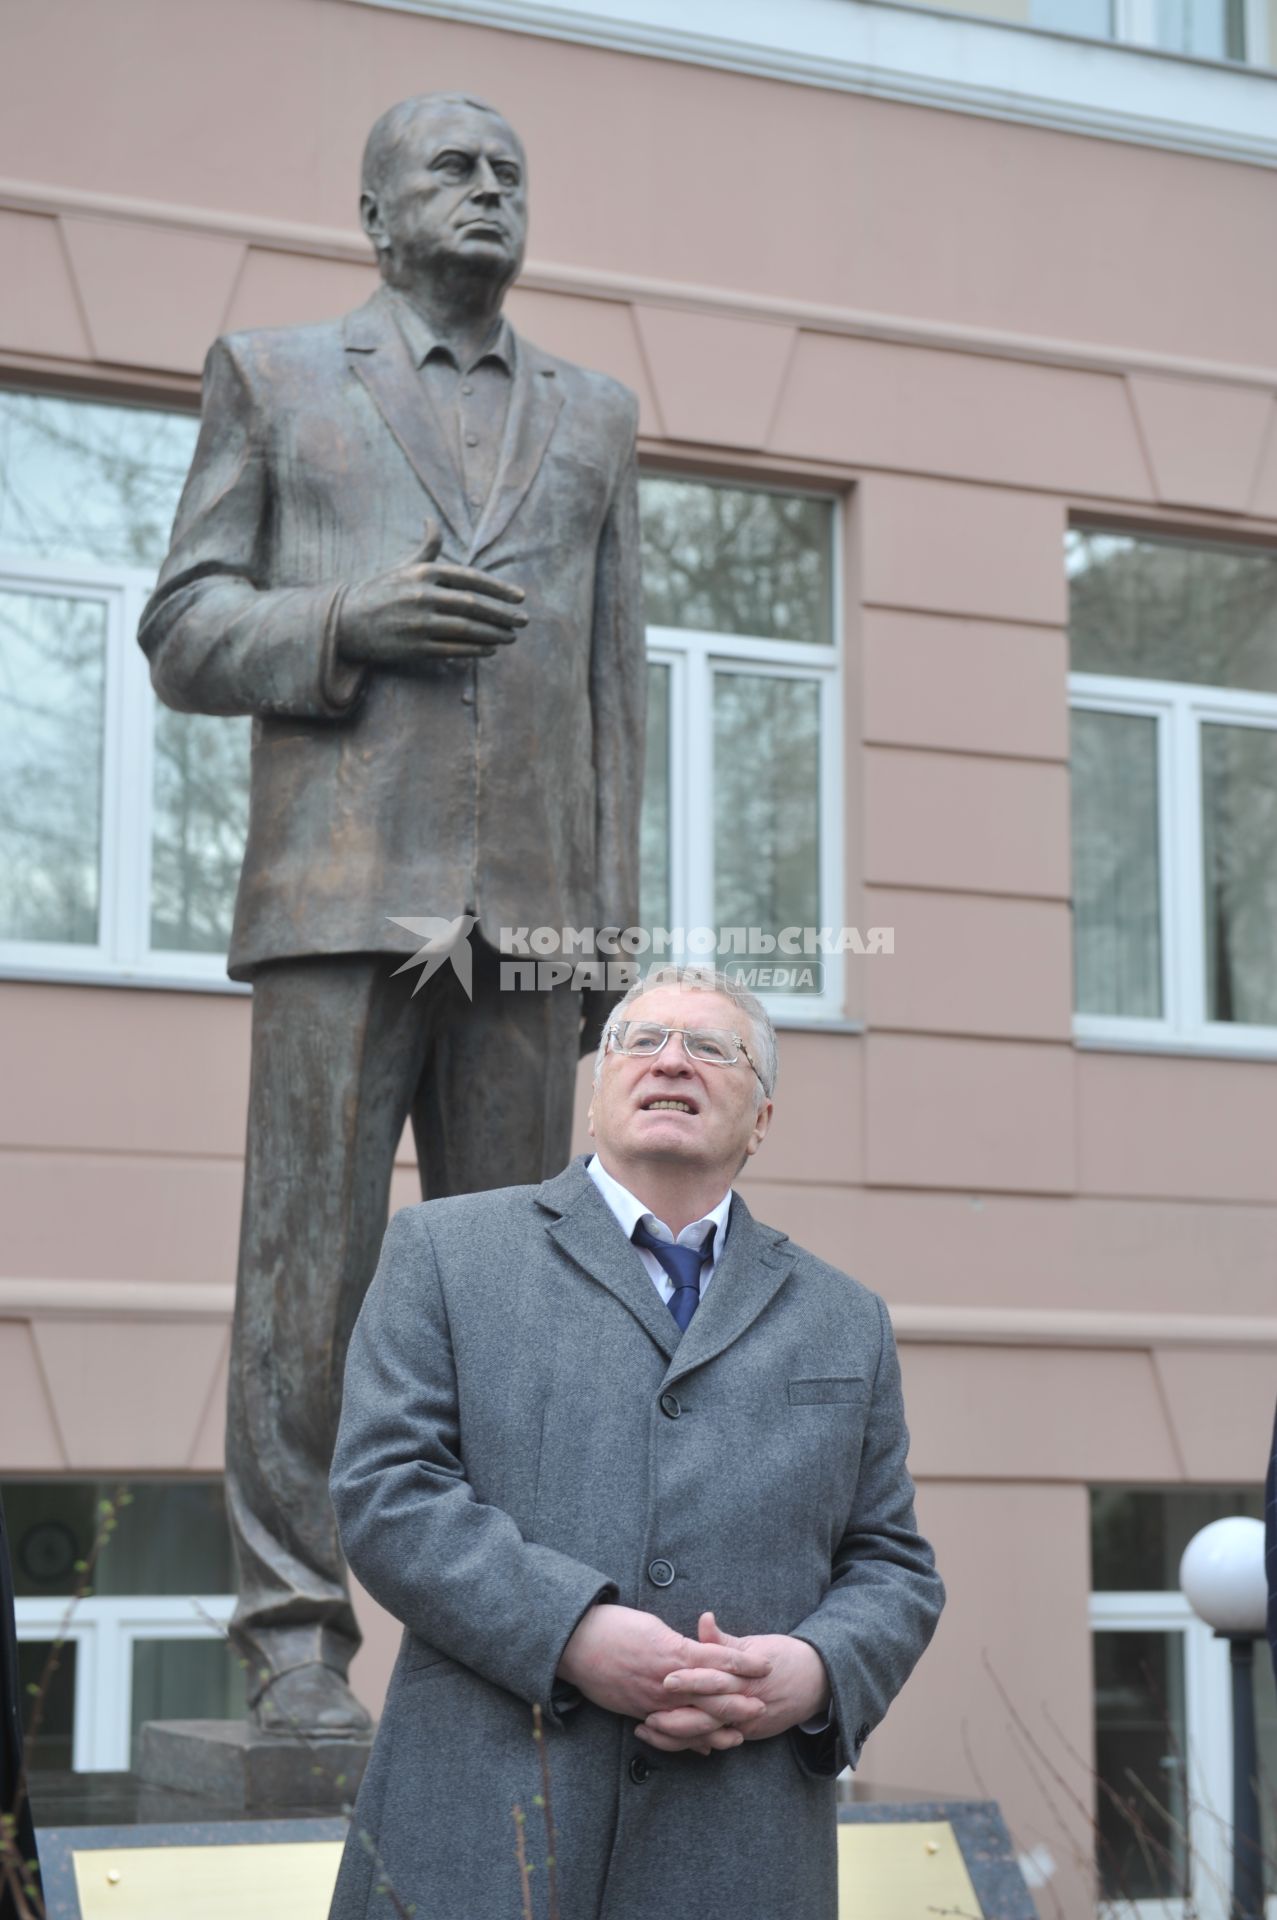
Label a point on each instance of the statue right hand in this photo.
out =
(424, 609)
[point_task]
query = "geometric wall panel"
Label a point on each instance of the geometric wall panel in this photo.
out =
(717, 378)
(1203, 439)
(152, 296)
(278, 289)
(39, 312)
(592, 333)
(129, 1398)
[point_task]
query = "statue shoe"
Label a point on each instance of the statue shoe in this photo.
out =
(312, 1701)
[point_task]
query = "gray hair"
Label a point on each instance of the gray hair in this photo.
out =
(708, 980)
(390, 133)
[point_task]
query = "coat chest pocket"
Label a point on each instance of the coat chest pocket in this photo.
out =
(849, 1390)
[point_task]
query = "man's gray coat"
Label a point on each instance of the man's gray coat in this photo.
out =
(524, 1433)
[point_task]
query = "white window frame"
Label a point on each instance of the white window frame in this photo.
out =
(122, 955)
(1135, 25)
(104, 1631)
(1209, 1750)
(1179, 711)
(692, 656)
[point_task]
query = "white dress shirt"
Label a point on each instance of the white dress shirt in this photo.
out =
(628, 1211)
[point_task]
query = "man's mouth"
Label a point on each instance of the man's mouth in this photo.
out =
(668, 1103)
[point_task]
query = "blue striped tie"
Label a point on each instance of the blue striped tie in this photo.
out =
(683, 1265)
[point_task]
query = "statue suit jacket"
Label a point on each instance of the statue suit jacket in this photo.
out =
(524, 1433)
(509, 787)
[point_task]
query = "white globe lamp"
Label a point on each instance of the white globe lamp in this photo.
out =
(1224, 1581)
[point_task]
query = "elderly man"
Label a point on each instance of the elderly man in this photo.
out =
(611, 1447)
(409, 548)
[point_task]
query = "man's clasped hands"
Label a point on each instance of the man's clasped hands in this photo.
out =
(699, 1696)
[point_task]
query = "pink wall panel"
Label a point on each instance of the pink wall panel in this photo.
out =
(971, 963)
(1204, 440)
(959, 822)
(126, 1403)
(277, 289)
(901, 210)
(873, 404)
(151, 297)
(1221, 1408)
(1011, 1648)
(716, 377)
(973, 686)
(938, 547)
(1035, 1413)
(39, 309)
(1177, 1128)
(29, 1437)
(121, 1070)
(133, 1216)
(996, 1116)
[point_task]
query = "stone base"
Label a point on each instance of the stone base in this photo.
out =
(228, 1762)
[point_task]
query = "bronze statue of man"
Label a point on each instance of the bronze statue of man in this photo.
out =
(408, 547)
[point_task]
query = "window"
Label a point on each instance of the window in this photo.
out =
(1163, 1716)
(1203, 29)
(122, 823)
(742, 796)
(1173, 691)
(148, 1643)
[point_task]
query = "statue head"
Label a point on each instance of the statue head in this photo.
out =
(444, 192)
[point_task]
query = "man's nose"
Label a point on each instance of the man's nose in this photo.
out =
(673, 1057)
(486, 185)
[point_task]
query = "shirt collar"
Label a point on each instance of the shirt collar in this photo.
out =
(422, 340)
(629, 1210)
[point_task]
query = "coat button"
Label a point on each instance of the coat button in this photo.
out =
(862, 1733)
(640, 1770)
(670, 1406)
(467, 697)
(661, 1573)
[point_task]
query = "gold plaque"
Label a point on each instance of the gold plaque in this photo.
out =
(289, 1880)
(902, 1870)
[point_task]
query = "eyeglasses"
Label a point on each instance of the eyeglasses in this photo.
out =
(714, 1046)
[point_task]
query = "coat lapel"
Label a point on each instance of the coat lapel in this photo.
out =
(585, 1229)
(379, 356)
(534, 409)
(755, 1265)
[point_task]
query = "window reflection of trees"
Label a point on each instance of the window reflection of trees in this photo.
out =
(1202, 616)
(94, 484)
(52, 659)
(732, 560)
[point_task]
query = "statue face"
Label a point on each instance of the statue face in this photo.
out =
(455, 200)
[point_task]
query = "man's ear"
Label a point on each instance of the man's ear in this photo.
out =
(589, 1120)
(371, 221)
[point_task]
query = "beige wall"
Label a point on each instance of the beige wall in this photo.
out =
(971, 329)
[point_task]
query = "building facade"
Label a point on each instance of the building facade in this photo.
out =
(954, 341)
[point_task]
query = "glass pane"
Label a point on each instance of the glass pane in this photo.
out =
(1093, 18)
(1239, 852)
(1140, 1748)
(50, 1752)
(170, 1537)
(1210, 29)
(766, 803)
(52, 677)
(737, 560)
(654, 890)
(200, 823)
(1138, 1535)
(184, 1680)
(1173, 610)
(1117, 940)
(81, 480)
